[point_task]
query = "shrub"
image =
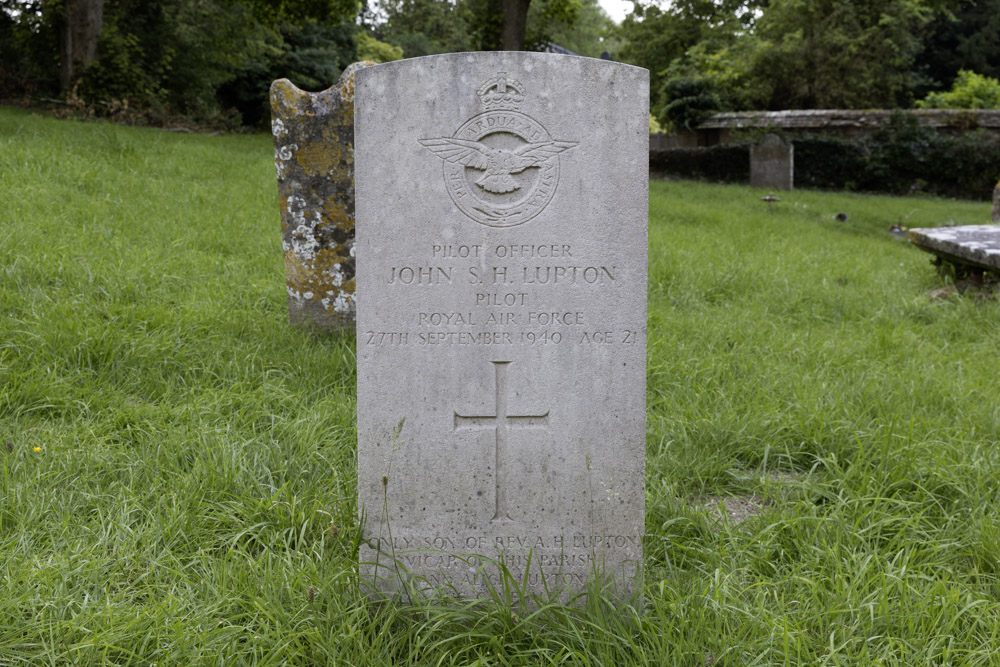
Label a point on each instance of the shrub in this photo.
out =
(311, 56)
(902, 158)
(726, 163)
(689, 101)
(970, 91)
(372, 49)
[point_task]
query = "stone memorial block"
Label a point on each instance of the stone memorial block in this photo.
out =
(772, 163)
(972, 245)
(314, 161)
(502, 245)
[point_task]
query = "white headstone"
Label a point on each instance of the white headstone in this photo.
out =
(501, 271)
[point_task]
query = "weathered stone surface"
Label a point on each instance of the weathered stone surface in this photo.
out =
(977, 245)
(314, 162)
(502, 243)
(996, 203)
(772, 163)
(851, 121)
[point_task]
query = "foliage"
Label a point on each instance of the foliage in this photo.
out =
(658, 38)
(549, 18)
(546, 18)
(902, 158)
(829, 162)
(192, 497)
(187, 56)
(29, 48)
(298, 12)
(689, 100)
(424, 27)
(966, 36)
(836, 54)
(784, 54)
(724, 163)
(586, 30)
(372, 49)
(174, 54)
(970, 91)
(427, 27)
(310, 55)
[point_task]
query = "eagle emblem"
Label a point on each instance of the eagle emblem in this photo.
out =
(498, 163)
(519, 158)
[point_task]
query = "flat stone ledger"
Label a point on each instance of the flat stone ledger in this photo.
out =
(975, 245)
(502, 254)
(772, 163)
(314, 165)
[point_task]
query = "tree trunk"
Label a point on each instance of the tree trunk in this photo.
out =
(515, 22)
(78, 36)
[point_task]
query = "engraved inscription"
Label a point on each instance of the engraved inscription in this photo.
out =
(498, 312)
(500, 422)
(519, 158)
(499, 272)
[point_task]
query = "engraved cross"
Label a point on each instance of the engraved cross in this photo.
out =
(501, 422)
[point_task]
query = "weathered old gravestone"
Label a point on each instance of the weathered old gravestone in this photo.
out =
(314, 161)
(502, 244)
(772, 163)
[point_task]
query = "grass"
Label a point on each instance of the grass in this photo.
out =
(177, 464)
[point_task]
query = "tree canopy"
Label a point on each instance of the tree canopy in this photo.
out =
(802, 54)
(204, 58)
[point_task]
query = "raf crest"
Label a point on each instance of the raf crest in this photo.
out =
(501, 167)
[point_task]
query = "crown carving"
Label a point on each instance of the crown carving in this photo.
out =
(501, 93)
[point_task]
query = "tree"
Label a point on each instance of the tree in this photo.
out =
(425, 27)
(965, 36)
(29, 48)
(850, 54)
(81, 24)
(660, 39)
(590, 34)
(504, 25)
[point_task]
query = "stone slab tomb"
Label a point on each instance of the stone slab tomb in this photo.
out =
(973, 245)
(501, 270)
(314, 163)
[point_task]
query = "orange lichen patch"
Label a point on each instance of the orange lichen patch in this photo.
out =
(346, 83)
(339, 128)
(348, 287)
(318, 157)
(335, 213)
(347, 87)
(315, 276)
(286, 98)
(342, 121)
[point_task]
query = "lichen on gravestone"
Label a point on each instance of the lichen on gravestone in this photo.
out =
(314, 164)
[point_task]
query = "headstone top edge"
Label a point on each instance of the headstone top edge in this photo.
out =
(527, 55)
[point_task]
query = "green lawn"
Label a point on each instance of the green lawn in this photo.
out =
(177, 464)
